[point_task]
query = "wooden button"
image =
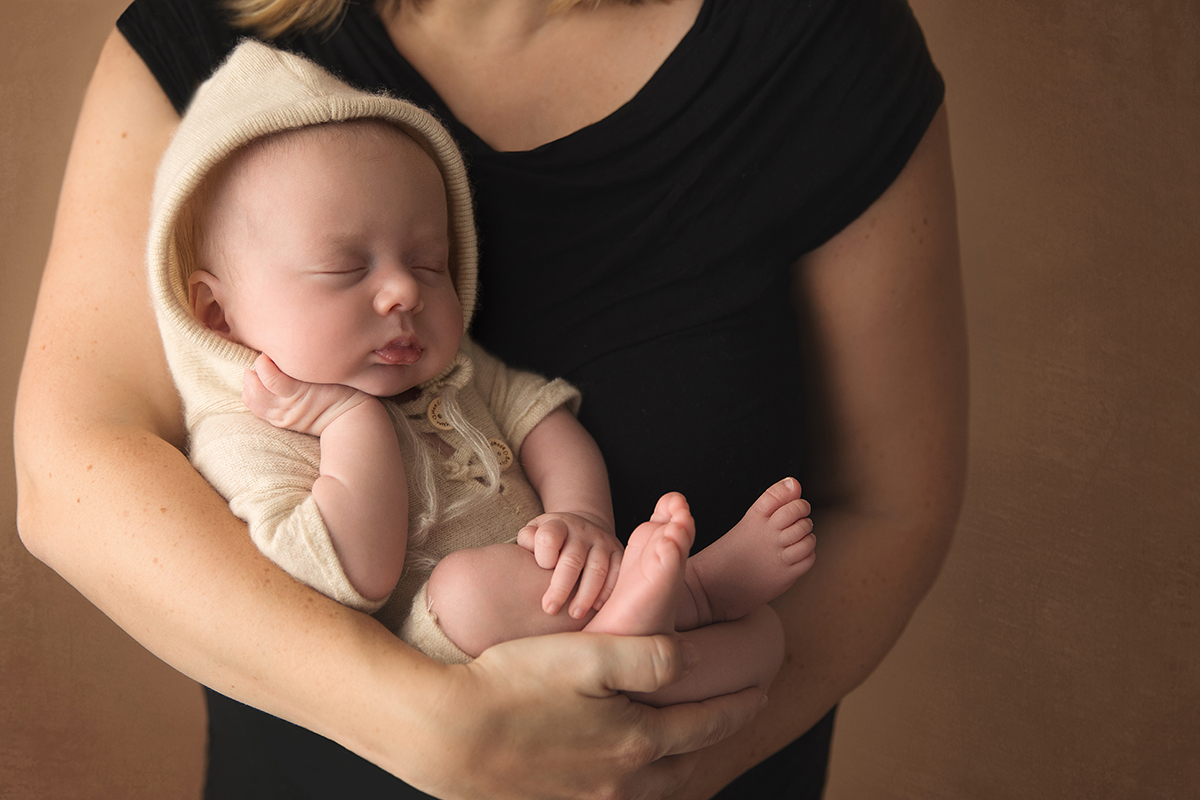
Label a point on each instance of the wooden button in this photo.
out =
(436, 417)
(504, 453)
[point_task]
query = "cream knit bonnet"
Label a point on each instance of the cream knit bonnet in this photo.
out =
(259, 91)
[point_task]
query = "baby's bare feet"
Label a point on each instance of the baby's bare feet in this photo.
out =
(755, 562)
(650, 583)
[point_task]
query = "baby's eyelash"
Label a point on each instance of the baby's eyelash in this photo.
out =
(342, 267)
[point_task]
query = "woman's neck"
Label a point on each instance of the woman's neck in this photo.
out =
(489, 24)
(519, 74)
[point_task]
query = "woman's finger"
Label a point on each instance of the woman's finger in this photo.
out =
(687, 727)
(650, 663)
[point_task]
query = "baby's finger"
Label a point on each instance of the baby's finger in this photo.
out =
(566, 575)
(548, 541)
(256, 396)
(610, 580)
(525, 536)
(273, 378)
(591, 582)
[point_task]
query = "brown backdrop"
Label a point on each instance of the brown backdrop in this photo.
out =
(1058, 655)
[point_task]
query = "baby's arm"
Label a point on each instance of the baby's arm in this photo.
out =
(361, 492)
(575, 536)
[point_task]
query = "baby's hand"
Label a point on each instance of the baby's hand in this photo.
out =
(285, 402)
(580, 551)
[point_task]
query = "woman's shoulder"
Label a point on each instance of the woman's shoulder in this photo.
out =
(181, 41)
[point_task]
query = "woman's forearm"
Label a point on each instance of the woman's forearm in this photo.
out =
(160, 554)
(123, 517)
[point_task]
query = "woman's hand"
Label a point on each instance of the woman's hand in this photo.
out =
(543, 717)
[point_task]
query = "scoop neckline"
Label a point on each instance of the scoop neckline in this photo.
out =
(656, 97)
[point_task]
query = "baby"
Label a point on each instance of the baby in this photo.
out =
(322, 237)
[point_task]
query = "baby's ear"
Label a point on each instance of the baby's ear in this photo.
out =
(204, 295)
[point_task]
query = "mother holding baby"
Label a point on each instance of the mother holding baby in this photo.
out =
(730, 224)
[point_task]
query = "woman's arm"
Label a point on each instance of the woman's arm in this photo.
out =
(107, 499)
(884, 311)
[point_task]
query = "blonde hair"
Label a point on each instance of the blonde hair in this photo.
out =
(273, 18)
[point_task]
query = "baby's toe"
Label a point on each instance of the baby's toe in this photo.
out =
(788, 516)
(777, 497)
(671, 505)
(803, 550)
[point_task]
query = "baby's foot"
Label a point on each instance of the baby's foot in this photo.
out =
(651, 579)
(756, 561)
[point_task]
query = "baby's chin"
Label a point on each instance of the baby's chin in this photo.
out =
(384, 385)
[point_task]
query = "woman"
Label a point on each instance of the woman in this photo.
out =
(650, 179)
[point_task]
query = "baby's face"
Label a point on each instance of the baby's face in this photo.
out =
(338, 254)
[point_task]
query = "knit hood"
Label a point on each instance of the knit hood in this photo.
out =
(259, 91)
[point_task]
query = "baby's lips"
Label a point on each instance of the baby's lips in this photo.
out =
(400, 351)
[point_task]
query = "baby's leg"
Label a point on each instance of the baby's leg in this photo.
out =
(487, 595)
(484, 596)
(752, 564)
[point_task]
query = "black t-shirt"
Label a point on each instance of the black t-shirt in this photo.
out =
(647, 257)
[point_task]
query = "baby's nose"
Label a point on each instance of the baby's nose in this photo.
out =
(399, 290)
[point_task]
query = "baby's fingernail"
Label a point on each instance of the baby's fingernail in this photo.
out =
(762, 703)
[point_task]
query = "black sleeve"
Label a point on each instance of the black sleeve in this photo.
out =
(181, 41)
(882, 91)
